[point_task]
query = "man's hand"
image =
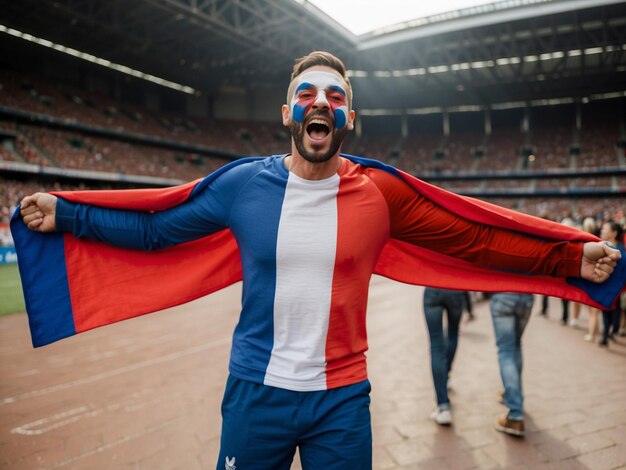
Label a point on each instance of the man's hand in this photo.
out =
(38, 212)
(598, 261)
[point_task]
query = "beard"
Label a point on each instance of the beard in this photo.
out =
(316, 156)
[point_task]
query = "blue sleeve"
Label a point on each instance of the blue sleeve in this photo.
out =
(206, 213)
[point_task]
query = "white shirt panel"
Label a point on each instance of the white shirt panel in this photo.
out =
(305, 262)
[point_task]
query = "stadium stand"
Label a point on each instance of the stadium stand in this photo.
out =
(553, 155)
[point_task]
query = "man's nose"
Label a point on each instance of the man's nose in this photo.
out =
(321, 102)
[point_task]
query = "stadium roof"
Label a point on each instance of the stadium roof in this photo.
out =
(503, 51)
(365, 16)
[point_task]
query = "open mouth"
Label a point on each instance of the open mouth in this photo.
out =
(318, 129)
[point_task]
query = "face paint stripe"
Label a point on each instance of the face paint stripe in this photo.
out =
(340, 117)
(304, 86)
(338, 89)
(298, 113)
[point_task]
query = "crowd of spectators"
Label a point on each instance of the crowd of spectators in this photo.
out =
(71, 149)
(507, 148)
(551, 148)
(544, 149)
(29, 93)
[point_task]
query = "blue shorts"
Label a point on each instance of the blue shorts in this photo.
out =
(262, 426)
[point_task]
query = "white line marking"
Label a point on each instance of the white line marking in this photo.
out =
(114, 372)
(100, 356)
(133, 403)
(121, 440)
(28, 372)
(62, 419)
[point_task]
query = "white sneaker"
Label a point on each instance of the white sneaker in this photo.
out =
(588, 338)
(443, 417)
(573, 322)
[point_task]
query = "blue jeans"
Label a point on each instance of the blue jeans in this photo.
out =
(442, 346)
(510, 313)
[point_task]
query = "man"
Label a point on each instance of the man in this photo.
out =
(310, 228)
(510, 313)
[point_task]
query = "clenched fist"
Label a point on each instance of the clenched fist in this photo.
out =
(598, 261)
(38, 212)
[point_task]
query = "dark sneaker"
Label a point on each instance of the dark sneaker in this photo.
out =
(514, 427)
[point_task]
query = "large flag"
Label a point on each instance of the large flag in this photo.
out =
(73, 285)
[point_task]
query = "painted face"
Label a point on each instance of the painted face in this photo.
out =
(321, 89)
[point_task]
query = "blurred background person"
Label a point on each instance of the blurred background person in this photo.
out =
(613, 233)
(443, 344)
(593, 314)
(510, 313)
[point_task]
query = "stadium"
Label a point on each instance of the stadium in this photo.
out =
(521, 103)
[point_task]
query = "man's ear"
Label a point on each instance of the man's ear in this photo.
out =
(351, 117)
(286, 112)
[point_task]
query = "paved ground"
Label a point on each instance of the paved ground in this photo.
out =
(145, 394)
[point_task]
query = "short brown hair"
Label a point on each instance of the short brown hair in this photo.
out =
(321, 58)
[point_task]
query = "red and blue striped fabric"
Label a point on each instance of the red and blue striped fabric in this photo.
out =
(72, 285)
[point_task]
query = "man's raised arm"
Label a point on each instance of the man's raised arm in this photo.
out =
(197, 217)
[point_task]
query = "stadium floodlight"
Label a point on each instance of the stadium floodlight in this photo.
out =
(508, 105)
(419, 71)
(593, 50)
(608, 96)
(438, 69)
(357, 73)
(552, 55)
(480, 64)
(380, 112)
(552, 101)
(410, 72)
(461, 66)
(468, 108)
(98, 60)
(427, 110)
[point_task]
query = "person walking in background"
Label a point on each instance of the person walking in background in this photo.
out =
(442, 344)
(468, 305)
(592, 327)
(565, 314)
(544, 308)
(613, 233)
(622, 330)
(569, 221)
(510, 313)
(589, 226)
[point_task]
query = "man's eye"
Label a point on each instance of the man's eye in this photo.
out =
(306, 95)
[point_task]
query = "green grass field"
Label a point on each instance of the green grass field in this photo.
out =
(11, 298)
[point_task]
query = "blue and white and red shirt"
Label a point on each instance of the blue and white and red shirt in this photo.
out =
(308, 250)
